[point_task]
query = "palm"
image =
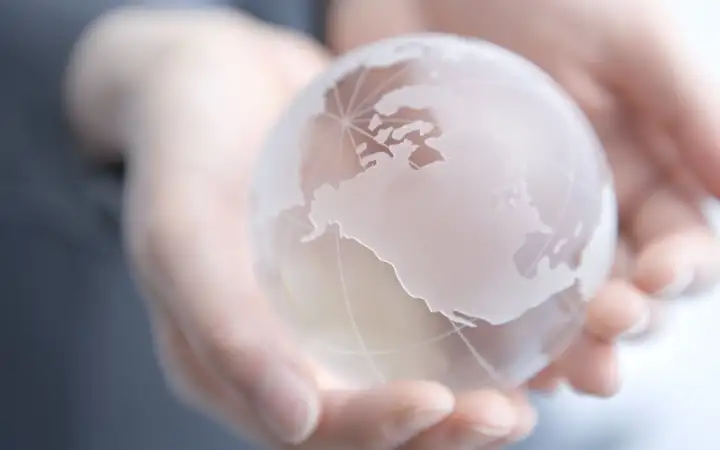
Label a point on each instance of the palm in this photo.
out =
(657, 130)
(665, 246)
(659, 142)
(620, 63)
(664, 235)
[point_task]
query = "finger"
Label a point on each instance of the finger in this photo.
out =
(617, 309)
(678, 253)
(624, 260)
(379, 419)
(382, 419)
(590, 366)
(652, 323)
(683, 264)
(547, 381)
(193, 384)
(199, 270)
(658, 75)
(526, 416)
(480, 419)
(650, 315)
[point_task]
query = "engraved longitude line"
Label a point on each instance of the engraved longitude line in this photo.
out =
(375, 92)
(343, 284)
(571, 186)
(354, 145)
(482, 362)
(416, 345)
(366, 134)
(570, 176)
(456, 329)
(358, 84)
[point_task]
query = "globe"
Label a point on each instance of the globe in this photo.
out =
(433, 207)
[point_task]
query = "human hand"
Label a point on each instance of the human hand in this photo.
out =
(625, 65)
(196, 93)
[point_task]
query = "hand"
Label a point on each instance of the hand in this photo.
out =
(220, 342)
(191, 97)
(625, 65)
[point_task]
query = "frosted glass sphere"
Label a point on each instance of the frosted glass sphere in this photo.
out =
(433, 207)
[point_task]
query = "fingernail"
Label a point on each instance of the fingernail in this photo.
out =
(640, 329)
(288, 405)
(705, 281)
(500, 424)
(482, 436)
(493, 428)
(676, 288)
(422, 420)
(492, 431)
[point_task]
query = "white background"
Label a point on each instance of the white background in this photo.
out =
(671, 394)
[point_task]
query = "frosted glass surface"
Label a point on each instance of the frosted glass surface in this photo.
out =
(437, 208)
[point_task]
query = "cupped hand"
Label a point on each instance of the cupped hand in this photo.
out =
(195, 123)
(203, 113)
(654, 109)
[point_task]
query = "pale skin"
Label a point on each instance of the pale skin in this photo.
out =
(189, 98)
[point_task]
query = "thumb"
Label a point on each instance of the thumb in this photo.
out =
(193, 261)
(660, 76)
(196, 126)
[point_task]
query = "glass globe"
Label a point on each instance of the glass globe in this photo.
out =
(433, 207)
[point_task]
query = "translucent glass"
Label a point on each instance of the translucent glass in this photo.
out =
(433, 208)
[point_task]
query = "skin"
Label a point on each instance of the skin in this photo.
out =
(189, 97)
